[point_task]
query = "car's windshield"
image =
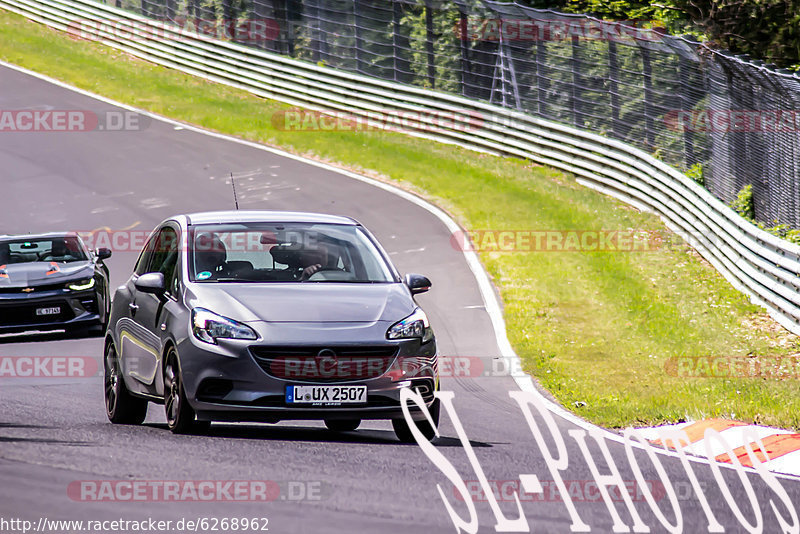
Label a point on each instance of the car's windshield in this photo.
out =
(50, 249)
(291, 252)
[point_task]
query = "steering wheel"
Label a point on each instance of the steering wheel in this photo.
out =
(322, 269)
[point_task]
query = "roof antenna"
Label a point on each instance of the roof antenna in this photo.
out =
(235, 200)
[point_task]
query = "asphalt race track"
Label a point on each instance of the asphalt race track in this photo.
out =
(54, 432)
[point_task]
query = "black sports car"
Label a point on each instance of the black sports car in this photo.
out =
(52, 282)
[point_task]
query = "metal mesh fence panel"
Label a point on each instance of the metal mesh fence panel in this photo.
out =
(731, 120)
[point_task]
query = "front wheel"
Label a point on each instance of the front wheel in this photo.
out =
(121, 407)
(403, 432)
(180, 416)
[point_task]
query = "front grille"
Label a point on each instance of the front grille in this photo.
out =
(26, 314)
(325, 364)
(35, 289)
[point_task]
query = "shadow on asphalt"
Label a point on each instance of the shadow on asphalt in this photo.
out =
(317, 435)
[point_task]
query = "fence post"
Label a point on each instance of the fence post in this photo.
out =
(541, 76)
(429, 37)
(314, 30)
(647, 71)
(689, 156)
(575, 91)
(466, 67)
(357, 34)
(613, 89)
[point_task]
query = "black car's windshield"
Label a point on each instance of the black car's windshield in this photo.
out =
(296, 252)
(51, 249)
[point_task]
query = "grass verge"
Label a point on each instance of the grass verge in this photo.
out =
(597, 329)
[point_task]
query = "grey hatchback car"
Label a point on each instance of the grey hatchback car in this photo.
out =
(268, 316)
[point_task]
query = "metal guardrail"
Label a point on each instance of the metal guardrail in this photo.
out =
(754, 261)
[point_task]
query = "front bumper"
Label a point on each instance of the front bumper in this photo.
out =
(227, 382)
(78, 309)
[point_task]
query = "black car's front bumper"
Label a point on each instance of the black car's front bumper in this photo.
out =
(77, 309)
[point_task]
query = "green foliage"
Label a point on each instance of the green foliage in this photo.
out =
(765, 29)
(743, 205)
(697, 173)
(446, 51)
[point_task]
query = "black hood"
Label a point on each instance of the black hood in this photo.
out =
(36, 273)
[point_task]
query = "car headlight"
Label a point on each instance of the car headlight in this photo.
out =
(415, 325)
(208, 327)
(81, 285)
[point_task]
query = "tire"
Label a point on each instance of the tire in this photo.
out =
(342, 425)
(403, 432)
(121, 407)
(180, 416)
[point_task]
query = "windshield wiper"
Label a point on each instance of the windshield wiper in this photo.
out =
(231, 279)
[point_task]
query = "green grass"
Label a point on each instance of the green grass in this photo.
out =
(594, 328)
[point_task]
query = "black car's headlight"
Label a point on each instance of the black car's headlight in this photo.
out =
(81, 285)
(208, 327)
(415, 325)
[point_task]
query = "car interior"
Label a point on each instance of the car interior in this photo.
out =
(279, 262)
(60, 250)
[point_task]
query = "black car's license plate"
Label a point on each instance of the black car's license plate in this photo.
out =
(327, 395)
(48, 311)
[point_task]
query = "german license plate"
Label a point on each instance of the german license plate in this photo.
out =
(326, 395)
(48, 311)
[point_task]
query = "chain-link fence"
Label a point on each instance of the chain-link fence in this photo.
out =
(724, 120)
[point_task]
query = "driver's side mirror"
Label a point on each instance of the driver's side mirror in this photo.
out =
(417, 283)
(152, 283)
(103, 253)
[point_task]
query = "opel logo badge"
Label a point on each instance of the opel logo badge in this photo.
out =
(326, 357)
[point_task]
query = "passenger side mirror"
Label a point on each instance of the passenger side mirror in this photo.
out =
(152, 283)
(417, 283)
(103, 253)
